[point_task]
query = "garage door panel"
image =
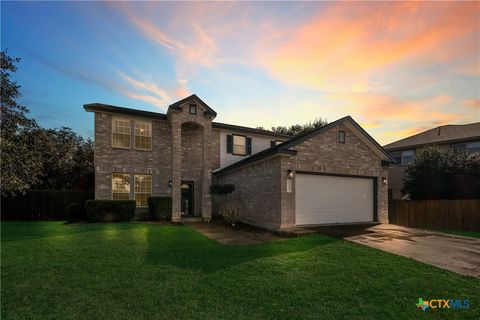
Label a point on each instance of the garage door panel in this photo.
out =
(322, 199)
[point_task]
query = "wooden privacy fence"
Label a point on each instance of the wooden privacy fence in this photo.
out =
(42, 204)
(436, 214)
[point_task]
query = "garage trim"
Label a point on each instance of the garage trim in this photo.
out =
(374, 181)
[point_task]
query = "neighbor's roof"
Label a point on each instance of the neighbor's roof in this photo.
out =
(442, 134)
(284, 148)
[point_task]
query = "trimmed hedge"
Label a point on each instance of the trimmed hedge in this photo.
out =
(110, 210)
(160, 208)
(75, 211)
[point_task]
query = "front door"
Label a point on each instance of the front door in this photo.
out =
(187, 198)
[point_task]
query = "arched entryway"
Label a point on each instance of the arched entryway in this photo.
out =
(192, 169)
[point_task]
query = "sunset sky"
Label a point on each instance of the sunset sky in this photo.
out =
(396, 68)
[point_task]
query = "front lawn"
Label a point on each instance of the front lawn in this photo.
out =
(131, 271)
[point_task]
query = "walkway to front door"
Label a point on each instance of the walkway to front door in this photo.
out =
(217, 231)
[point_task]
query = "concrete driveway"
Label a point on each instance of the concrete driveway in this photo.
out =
(454, 253)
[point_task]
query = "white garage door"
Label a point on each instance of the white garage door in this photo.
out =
(321, 199)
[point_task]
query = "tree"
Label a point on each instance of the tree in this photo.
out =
(299, 129)
(67, 159)
(19, 161)
(35, 157)
(441, 173)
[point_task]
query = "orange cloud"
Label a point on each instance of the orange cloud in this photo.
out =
(475, 103)
(343, 47)
(400, 134)
(376, 107)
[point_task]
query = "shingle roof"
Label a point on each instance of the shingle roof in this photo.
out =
(284, 146)
(101, 107)
(226, 126)
(442, 134)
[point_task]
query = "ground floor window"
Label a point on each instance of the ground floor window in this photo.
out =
(143, 189)
(120, 186)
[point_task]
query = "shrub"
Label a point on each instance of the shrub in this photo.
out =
(110, 210)
(230, 216)
(75, 211)
(441, 173)
(160, 208)
(220, 193)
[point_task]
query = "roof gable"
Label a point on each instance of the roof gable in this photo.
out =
(285, 146)
(177, 105)
(353, 125)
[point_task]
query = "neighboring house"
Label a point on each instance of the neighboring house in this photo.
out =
(334, 174)
(464, 137)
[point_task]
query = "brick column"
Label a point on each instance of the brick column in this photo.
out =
(207, 172)
(176, 128)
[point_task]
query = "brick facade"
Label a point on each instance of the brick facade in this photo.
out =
(191, 158)
(186, 148)
(109, 160)
(190, 139)
(324, 154)
(261, 187)
(257, 192)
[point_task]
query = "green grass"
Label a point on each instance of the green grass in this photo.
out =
(471, 234)
(132, 271)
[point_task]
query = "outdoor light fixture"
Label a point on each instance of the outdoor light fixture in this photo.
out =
(384, 180)
(170, 183)
(290, 174)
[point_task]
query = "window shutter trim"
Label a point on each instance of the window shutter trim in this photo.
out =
(249, 145)
(229, 143)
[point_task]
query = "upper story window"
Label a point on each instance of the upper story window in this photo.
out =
(143, 135)
(143, 189)
(120, 133)
(403, 157)
(341, 136)
(470, 147)
(192, 108)
(120, 186)
(239, 145)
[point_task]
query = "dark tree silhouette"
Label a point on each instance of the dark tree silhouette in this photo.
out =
(299, 129)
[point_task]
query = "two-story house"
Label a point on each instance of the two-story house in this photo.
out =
(334, 174)
(464, 137)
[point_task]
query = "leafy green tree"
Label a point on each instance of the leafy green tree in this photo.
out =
(19, 161)
(35, 157)
(441, 173)
(299, 129)
(67, 159)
